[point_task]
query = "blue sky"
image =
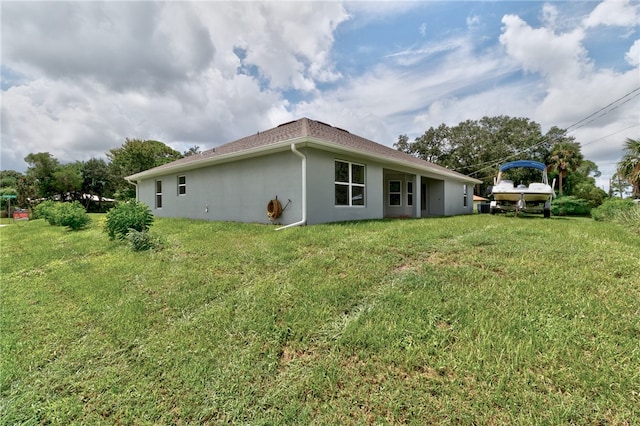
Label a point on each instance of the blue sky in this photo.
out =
(79, 78)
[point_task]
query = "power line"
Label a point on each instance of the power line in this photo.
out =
(614, 133)
(577, 125)
(637, 89)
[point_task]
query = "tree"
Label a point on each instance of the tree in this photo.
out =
(191, 151)
(96, 179)
(26, 191)
(67, 180)
(8, 185)
(42, 165)
(9, 178)
(629, 165)
(135, 156)
(563, 158)
(432, 146)
(478, 147)
(618, 185)
(403, 144)
(582, 184)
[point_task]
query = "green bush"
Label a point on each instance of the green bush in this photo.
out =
(142, 240)
(570, 206)
(126, 216)
(44, 210)
(611, 208)
(72, 215)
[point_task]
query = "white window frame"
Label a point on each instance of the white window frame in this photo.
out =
(182, 186)
(158, 185)
(351, 184)
(398, 193)
(464, 190)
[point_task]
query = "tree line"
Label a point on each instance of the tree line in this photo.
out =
(47, 178)
(478, 147)
(473, 147)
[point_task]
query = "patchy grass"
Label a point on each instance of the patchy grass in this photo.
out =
(467, 320)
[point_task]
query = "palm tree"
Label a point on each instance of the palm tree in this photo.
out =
(629, 166)
(564, 157)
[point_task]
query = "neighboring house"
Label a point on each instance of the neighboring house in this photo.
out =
(477, 201)
(318, 173)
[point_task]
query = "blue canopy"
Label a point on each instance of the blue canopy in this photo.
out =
(523, 163)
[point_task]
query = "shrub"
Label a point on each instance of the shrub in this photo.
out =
(72, 215)
(611, 208)
(126, 216)
(142, 240)
(570, 206)
(44, 210)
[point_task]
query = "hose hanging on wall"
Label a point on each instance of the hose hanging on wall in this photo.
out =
(274, 209)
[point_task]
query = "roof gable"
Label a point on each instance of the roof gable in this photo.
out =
(303, 129)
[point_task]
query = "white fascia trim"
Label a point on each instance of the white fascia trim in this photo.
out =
(429, 172)
(225, 158)
(299, 143)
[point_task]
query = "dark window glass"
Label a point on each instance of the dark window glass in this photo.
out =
(342, 195)
(357, 174)
(342, 172)
(357, 196)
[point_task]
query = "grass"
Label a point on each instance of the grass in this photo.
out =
(465, 320)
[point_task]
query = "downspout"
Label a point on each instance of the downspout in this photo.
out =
(136, 185)
(303, 221)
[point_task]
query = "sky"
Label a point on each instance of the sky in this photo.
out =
(78, 78)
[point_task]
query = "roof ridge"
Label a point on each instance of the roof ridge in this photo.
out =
(305, 127)
(311, 130)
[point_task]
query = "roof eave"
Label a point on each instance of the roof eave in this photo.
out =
(284, 145)
(216, 159)
(383, 159)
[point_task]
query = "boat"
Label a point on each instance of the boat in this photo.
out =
(532, 198)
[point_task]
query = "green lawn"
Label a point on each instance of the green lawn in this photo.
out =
(466, 320)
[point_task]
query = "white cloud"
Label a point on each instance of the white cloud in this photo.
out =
(84, 76)
(473, 21)
(549, 15)
(620, 13)
(412, 56)
(574, 87)
(633, 55)
(87, 75)
(423, 29)
(540, 50)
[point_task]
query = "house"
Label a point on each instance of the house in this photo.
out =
(479, 203)
(317, 173)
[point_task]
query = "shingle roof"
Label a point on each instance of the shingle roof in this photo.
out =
(303, 128)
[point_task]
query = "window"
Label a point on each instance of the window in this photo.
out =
(158, 194)
(395, 193)
(182, 185)
(409, 193)
(349, 184)
(464, 189)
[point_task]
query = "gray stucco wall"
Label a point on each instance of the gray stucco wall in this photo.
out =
(321, 196)
(238, 191)
(454, 198)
